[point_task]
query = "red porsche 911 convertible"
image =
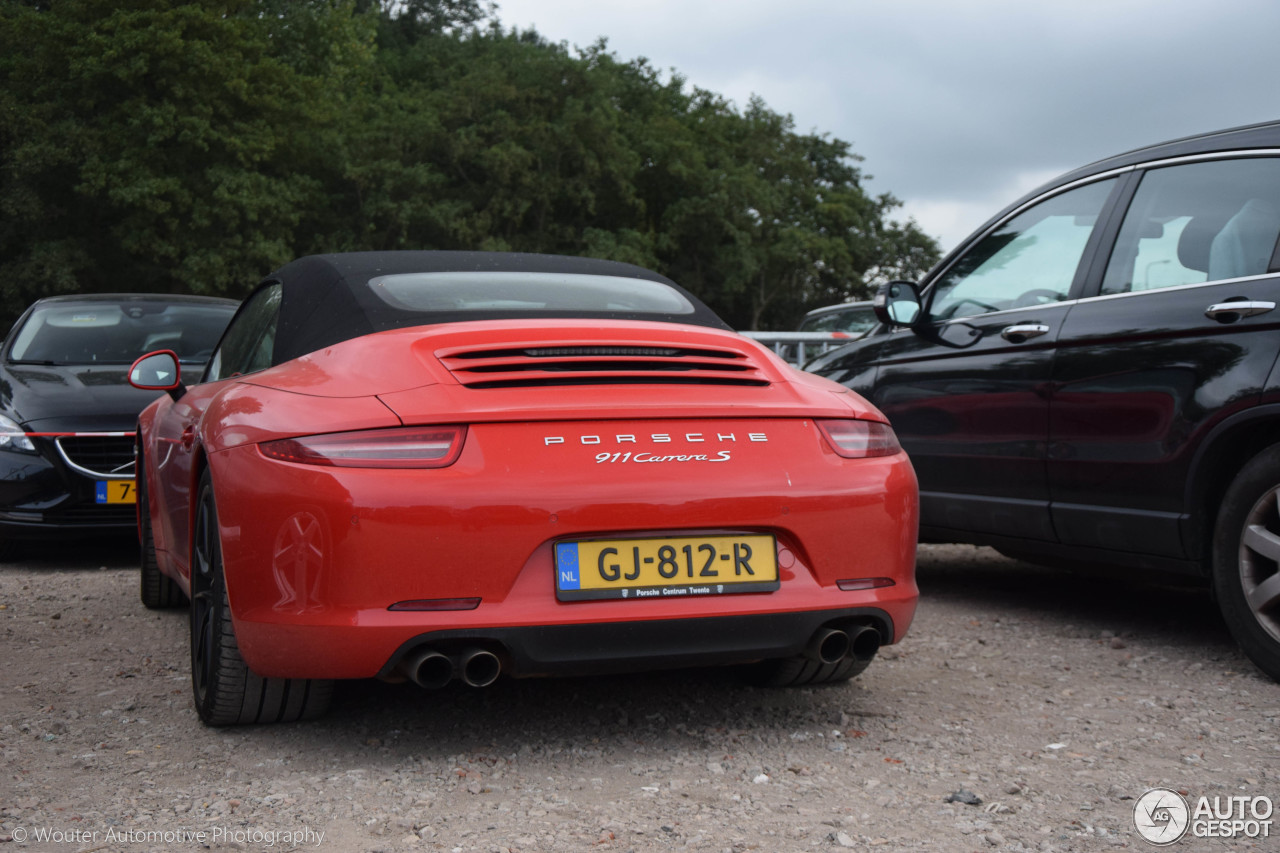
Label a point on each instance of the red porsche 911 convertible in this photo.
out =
(444, 465)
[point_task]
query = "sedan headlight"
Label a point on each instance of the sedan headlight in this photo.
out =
(13, 437)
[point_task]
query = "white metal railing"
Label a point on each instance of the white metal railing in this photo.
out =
(799, 347)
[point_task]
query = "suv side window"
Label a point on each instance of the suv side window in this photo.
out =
(1031, 259)
(250, 339)
(1198, 222)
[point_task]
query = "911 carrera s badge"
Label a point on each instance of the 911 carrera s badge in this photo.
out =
(719, 456)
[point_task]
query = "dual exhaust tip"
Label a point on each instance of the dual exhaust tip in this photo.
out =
(433, 669)
(832, 645)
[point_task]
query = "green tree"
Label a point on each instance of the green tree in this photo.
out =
(484, 138)
(148, 145)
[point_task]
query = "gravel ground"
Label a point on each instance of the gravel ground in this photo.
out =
(1052, 699)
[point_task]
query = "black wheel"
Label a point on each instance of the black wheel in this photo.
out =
(226, 691)
(158, 589)
(803, 672)
(1246, 560)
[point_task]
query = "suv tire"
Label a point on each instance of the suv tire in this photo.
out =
(1246, 560)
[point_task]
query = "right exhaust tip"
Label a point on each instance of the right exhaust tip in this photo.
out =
(480, 667)
(864, 643)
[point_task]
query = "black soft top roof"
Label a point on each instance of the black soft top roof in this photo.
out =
(327, 299)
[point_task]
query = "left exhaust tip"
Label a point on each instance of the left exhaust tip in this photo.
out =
(430, 669)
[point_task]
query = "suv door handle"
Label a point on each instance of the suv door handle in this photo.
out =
(1021, 332)
(1229, 312)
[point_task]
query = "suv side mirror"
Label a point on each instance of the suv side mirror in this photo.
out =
(158, 371)
(897, 303)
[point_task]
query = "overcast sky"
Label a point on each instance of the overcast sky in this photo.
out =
(958, 106)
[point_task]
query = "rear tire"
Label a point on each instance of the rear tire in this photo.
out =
(1246, 560)
(157, 589)
(226, 691)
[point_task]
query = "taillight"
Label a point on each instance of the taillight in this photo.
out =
(410, 447)
(858, 439)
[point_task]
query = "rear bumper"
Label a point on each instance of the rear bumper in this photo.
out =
(314, 556)
(545, 638)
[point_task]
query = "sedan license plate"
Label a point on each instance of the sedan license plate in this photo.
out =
(666, 567)
(115, 492)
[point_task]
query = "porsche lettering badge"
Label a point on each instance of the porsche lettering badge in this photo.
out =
(658, 438)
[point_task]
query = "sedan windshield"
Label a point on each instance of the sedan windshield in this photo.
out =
(118, 333)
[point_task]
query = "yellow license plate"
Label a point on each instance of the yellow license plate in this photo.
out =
(666, 567)
(116, 492)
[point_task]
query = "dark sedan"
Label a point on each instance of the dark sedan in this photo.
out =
(67, 411)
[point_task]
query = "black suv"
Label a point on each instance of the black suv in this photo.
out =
(1092, 376)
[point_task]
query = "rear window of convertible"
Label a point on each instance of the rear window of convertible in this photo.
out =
(507, 293)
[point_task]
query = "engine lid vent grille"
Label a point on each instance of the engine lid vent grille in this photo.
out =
(600, 364)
